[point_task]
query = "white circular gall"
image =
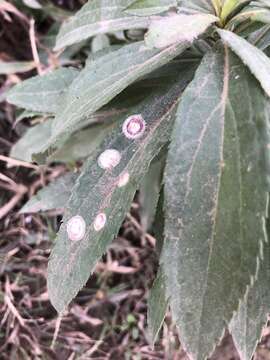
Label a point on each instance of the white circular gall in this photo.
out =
(76, 228)
(109, 159)
(134, 127)
(100, 221)
(123, 179)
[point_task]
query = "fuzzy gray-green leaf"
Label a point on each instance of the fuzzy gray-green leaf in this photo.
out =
(149, 193)
(247, 324)
(215, 201)
(179, 28)
(149, 7)
(98, 17)
(31, 141)
(254, 58)
(13, 67)
(97, 191)
(42, 93)
(157, 305)
(53, 196)
(103, 79)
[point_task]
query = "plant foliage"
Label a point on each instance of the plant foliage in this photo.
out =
(183, 105)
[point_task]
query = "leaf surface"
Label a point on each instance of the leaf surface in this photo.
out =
(98, 17)
(149, 193)
(254, 58)
(103, 79)
(204, 6)
(247, 324)
(7, 68)
(157, 306)
(53, 196)
(97, 191)
(179, 28)
(215, 203)
(31, 141)
(150, 7)
(42, 93)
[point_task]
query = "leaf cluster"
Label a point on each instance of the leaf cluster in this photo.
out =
(179, 111)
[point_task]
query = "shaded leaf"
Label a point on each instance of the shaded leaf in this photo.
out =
(157, 306)
(7, 68)
(53, 196)
(31, 141)
(97, 192)
(27, 114)
(230, 6)
(179, 28)
(215, 201)
(43, 93)
(197, 6)
(149, 193)
(254, 58)
(247, 324)
(98, 17)
(261, 37)
(150, 7)
(103, 79)
(81, 144)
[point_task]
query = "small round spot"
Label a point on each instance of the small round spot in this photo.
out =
(134, 127)
(100, 221)
(109, 159)
(76, 228)
(123, 179)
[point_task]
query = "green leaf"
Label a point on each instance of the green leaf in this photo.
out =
(150, 7)
(254, 58)
(149, 193)
(179, 28)
(82, 144)
(215, 202)
(97, 192)
(261, 37)
(31, 141)
(27, 114)
(53, 196)
(231, 5)
(204, 6)
(42, 93)
(157, 306)
(103, 79)
(98, 17)
(7, 68)
(247, 324)
(249, 17)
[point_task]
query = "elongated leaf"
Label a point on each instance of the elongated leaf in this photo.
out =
(7, 68)
(197, 6)
(261, 37)
(230, 5)
(31, 141)
(82, 144)
(27, 114)
(43, 93)
(254, 58)
(98, 17)
(149, 7)
(215, 201)
(103, 79)
(247, 324)
(97, 192)
(179, 28)
(149, 193)
(157, 306)
(53, 196)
